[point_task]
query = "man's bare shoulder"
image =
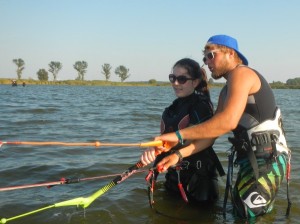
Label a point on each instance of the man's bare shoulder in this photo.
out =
(244, 77)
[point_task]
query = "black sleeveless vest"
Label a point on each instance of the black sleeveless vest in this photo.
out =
(182, 113)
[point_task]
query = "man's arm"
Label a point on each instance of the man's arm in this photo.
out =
(240, 83)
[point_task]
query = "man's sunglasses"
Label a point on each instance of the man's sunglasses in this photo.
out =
(181, 79)
(210, 55)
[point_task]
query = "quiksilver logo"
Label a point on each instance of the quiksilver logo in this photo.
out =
(255, 200)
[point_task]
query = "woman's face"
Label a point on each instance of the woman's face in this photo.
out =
(181, 88)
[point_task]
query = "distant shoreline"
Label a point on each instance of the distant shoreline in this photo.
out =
(5, 81)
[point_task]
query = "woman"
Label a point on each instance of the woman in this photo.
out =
(195, 177)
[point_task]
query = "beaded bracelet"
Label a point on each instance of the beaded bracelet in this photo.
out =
(179, 137)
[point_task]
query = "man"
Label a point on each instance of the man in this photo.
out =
(247, 108)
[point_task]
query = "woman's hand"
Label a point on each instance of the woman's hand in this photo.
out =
(166, 162)
(148, 156)
(170, 140)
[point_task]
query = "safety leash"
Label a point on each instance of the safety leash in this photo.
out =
(151, 180)
(180, 187)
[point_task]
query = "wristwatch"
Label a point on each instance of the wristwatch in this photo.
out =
(180, 157)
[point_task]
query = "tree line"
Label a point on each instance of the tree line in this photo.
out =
(79, 66)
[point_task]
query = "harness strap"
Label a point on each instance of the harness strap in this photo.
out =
(217, 162)
(252, 159)
(228, 186)
(150, 179)
(288, 175)
(182, 192)
(229, 178)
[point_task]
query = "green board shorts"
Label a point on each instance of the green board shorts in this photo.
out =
(253, 197)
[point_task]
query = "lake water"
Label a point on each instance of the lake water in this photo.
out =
(108, 115)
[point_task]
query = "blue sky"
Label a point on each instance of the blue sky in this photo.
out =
(146, 36)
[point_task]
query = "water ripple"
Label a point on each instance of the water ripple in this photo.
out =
(106, 114)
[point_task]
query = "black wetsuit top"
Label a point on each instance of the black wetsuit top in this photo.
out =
(184, 112)
(198, 172)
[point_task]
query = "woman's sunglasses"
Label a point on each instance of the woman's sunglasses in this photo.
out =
(210, 55)
(181, 79)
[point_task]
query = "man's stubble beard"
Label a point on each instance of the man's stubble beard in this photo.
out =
(220, 71)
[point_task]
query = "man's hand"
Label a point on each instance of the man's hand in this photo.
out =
(170, 139)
